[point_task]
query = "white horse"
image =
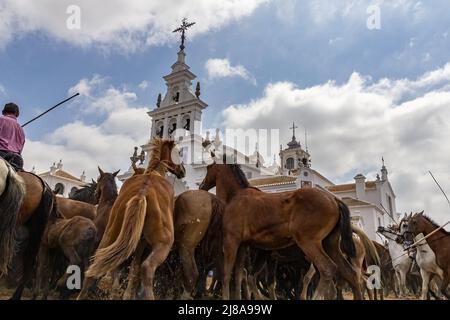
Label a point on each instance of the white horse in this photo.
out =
(399, 258)
(425, 259)
(12, 191)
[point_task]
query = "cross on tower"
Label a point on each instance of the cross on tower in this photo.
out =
(293, 129)
(184, 26)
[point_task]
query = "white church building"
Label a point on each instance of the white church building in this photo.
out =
(62, 182)
(371, 203)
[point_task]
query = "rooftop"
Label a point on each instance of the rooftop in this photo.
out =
(350, 187)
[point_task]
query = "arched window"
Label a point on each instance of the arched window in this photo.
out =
(72, 191)
(59, 188)
(290, 163)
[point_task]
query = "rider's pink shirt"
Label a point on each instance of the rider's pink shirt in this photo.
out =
(12, 136)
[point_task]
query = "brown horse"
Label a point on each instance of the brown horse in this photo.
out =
(75, 235)
(439, 243)
(37, 207)
(305, 217)
(76, 240)
(366, 255)
(70, 208)
(194, 210)
(144, 207)
(106, 195)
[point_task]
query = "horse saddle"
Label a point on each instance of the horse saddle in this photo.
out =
(13, 160)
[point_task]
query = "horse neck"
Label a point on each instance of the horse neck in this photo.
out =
(109, 195)
(159, 168)
(395, 249)
(227, 187)
(433, 240)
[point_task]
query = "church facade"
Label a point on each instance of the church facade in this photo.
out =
(178, 115)
(62, 182)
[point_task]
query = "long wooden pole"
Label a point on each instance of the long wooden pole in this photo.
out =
(47, 111)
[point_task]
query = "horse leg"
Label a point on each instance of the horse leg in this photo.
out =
(346, 270)
(273, 265)
(324, 264)
(425, 282)
(445, 283)
(230, 248)
(133, 274)
(190, 271)
(403, 290)
(245, 285)
(159, 253)
(239, 272)
(306, 280)
(42, 273)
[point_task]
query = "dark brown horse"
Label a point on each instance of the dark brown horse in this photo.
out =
(70, 208)
(438, 241)
(75, 236)
(144, 207)
(37, 207)
(312, 219)
(106, 195)
(85, 194)
(73, 241)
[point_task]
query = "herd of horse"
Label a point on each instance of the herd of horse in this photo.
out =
(239, 243)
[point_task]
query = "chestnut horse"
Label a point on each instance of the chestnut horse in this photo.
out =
(305, 217)
(439, 243)
(36, 203)
(193, 213)
(144, 207)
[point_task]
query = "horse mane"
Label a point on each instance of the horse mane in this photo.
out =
(156, 146)
(434, 224)
(239, 175)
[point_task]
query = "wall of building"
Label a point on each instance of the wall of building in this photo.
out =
(52, 181)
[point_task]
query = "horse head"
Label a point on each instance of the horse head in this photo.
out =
(165, 153)
(106, 181)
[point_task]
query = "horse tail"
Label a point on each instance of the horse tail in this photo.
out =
(111, 257)
(11, 201)
(372, 257)
(345, 228)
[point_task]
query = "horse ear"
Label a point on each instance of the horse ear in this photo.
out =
(116, 173)
(93, 181)
(101, 171)
(421, 213)
(405, 216)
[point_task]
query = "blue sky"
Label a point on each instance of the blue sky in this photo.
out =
(37, 70)
(285, 60)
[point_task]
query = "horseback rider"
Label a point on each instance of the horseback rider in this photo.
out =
(12, 136)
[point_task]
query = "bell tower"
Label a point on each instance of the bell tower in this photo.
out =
(294, 158)
(181, 107)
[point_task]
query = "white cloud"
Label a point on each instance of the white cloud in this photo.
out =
(221, 68)
(2, 90)
(143, 85)
(83, 146)
(352, 125)
(121, 24)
